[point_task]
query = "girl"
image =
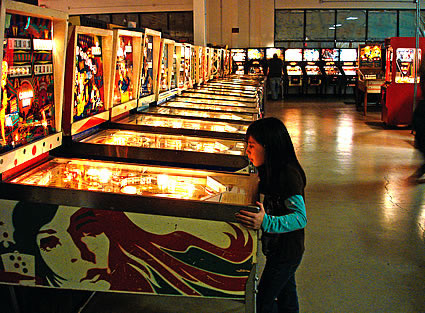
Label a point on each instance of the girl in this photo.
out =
(282, 215)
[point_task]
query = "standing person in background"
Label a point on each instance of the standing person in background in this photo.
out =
(282, 215)
(274, 75)
(418, 123)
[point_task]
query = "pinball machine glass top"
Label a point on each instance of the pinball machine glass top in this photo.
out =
(27, 110)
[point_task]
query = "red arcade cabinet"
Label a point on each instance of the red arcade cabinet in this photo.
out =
(397, 92)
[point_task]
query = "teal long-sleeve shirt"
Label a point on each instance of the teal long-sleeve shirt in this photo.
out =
(289, 222)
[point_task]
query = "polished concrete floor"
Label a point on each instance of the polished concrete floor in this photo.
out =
(365, 238)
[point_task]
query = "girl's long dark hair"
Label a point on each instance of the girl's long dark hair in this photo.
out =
(272, 134)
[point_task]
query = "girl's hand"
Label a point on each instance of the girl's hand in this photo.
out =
(250, 219)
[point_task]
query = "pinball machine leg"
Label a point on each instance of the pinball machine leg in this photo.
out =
(365, 102)
(282, 89)
(251, 291)
(86, 302)
(13, 299)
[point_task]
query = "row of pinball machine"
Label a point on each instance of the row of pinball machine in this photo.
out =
(387, 70)
(122, 161)
(122, 153)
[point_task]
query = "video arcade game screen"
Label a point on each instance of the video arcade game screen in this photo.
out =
(146, 77)
(124, 85)
(27, 110)
(89, 93)
(405, 62)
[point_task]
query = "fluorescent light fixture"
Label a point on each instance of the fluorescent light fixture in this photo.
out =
(352, 18)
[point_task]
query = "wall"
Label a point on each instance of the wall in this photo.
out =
(75, 7)
(253, 18)
(350, 4)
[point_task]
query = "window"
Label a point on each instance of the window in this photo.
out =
(407, 23)
(289, 25)
(350, 25)
(320, 25)
(382, 24)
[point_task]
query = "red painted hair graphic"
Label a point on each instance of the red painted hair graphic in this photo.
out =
(175, 263)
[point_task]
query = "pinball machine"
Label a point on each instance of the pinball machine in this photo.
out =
(181, 82)
(238, 61)
(255, 64)
(96, 225)
(209, 63)
(348, 65)
(149, 70)
(195, 63)
(397, 94)
(95, 135)
(200, 65)
(293, 73)
(227, 62)
(167, 87)
(371, 75)
(313, 76)
(125, 73)
(89, 59)
(333, 76)
(215, 63)
(187, 66)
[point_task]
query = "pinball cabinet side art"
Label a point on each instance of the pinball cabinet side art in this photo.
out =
(104, 226)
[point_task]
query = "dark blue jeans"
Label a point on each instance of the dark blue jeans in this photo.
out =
(275, 87)
(278, 282)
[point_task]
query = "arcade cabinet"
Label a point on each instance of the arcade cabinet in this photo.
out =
(238, 61)
(313, 76)
(256, 61)
(333, 76)
(293, 73)
(400, 72)
(371, 75)
(348, 66)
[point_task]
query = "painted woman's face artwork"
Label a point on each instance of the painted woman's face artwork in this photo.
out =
(62, 255)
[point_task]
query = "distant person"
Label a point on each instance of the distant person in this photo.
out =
(282, 215)
(274, 75)
(418, 124)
